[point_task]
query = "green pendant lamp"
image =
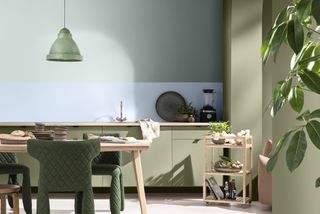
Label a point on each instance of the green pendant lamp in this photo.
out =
(64, 49)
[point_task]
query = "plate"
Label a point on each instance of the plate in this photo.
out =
(13, 141)
(167, 105)
(230, 170)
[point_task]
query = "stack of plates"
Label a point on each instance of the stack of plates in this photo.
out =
(60, 133)
(43, 135)
(39, 127)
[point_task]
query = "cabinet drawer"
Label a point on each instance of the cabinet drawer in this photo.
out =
(189, 133)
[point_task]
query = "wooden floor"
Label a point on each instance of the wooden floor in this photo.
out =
(156, 204)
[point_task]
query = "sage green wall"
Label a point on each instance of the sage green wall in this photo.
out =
(293, 193)
(244, 71)
(121, 41)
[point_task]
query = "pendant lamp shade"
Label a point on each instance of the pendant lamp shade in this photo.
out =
(64, 48)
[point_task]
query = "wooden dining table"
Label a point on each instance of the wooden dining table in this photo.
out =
(134, 148)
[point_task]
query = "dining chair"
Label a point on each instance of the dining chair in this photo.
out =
(9, 165)
(108, 163)
(65, 166)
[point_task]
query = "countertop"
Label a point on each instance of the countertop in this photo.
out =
(120, 124)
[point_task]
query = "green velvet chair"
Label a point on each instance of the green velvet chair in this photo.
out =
(9, 165)
(108, 163)
(65, 167)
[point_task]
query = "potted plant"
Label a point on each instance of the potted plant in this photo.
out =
(299, 26)
(186, 113)
(219, 131)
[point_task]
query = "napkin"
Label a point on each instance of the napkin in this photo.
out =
(150, 129)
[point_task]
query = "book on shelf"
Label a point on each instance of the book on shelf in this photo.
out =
(215, 188)
(212, 194)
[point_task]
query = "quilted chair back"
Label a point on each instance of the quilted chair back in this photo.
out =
(106, 157)
(6, 158)
(64, 166)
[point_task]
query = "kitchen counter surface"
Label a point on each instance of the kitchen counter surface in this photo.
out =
(121, 124)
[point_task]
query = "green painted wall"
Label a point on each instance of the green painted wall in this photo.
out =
(243, 70)
(121, 41)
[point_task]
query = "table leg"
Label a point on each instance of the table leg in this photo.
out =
(3, 203)
(139, 179)
(15, 203)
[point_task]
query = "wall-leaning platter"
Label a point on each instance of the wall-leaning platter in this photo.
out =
(167, 105)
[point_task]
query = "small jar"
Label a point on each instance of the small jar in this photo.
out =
(191, 118)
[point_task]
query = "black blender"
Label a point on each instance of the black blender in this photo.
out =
(208, 112)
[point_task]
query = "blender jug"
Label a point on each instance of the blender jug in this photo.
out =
(208, 112)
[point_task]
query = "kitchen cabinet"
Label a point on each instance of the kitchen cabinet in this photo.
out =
(187, 144)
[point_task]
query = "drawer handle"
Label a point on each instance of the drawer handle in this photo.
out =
(196, 141)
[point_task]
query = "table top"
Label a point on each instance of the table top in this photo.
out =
(105, 147)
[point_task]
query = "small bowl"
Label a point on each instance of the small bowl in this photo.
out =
(219, 141)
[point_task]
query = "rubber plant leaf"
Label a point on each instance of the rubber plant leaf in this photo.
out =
(311, 80)
(296, 150)
(295, 35)
(315, 8)
(296, 98)
(313, 129)
(276, 149)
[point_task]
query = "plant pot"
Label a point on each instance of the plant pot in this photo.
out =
(182, 117)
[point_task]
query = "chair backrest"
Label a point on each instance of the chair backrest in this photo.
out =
(64, 165)
(8, 158)
(106, 157)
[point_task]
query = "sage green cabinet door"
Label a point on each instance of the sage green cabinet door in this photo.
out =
(187, 162)
(156, 161)
(187, 150)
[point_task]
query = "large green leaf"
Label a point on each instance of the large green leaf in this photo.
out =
(304, 116)
(305, 53)
(281, 18)
(303, 9)
(315, 114)
(285, 87)
(265, 48)
(296, 98)
(277, 39)
(311, 80)
(318, 182)
(295, 35)
(316, 63)
(277, 99)
(315, 10)
(313, 128)
(296, 150)
(276, 149)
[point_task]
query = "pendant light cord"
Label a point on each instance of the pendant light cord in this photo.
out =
(64, 14)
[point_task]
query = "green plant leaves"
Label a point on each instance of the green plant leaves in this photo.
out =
(303, 10)
(315, 114)
(304, 116)
(285, 87)
(295, 35)
(318, 182)
(311, 80)
(276, 149)
(315, 8)
(296, 98)
(277, 100)
(296, 150)
(313, 128)
(272, 43)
